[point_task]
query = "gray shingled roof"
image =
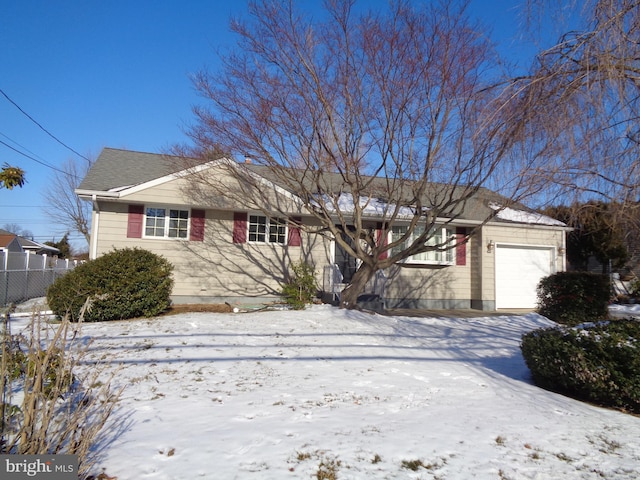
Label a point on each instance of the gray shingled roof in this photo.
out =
(115, 169)
(475, 209)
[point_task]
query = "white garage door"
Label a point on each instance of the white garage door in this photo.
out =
(518, 271)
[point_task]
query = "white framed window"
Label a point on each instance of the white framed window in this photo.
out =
(267, 230)
(440, 236)
(165, 222)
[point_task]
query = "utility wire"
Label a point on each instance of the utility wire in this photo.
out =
(25, 206)
(41, 127)
(31, 154)
(33, 158)
(12, 141)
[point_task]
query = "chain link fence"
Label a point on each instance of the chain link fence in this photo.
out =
(26, 275)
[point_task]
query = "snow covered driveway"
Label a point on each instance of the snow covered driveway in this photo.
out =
(276, 395)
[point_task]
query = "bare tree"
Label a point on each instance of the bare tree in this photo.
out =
(580, 104)
(63, 205)
(18, 230)
(388, 113)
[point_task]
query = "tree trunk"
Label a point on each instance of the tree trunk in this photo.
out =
(349, 296)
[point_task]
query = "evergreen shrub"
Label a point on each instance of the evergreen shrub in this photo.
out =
(124, 283)
(572, 298)
(302, 286)
(599, 363)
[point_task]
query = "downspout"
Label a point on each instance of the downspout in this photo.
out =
(94, 227)
(564, 248)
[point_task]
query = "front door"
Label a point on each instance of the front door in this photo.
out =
(345, 262)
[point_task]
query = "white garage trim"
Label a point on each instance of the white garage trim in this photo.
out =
(518, 270)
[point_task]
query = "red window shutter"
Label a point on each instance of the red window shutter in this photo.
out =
(381, 241)
(239, 227)
(461, 249)
(295, 238)
(136, 219)
(197, 226)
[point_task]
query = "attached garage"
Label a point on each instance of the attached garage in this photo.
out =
(518, 271)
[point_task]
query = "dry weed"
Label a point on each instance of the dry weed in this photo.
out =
(49, 404)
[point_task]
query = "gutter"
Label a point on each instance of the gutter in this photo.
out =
(94, 194)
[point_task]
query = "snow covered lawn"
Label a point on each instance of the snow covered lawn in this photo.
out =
(276, 395)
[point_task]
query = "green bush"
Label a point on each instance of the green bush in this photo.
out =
(125, 283)
(599, 363)
(572, 298)
(635, 288)
(302, 287)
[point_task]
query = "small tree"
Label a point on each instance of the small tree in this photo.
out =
(302, 287)
(63, 245)
(599, 231)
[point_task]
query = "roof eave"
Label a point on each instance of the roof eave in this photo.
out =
(90, 194)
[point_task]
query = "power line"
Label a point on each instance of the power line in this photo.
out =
(41, 127)
(43, 162)
(25, 206)
(21, 146)
(33, 158)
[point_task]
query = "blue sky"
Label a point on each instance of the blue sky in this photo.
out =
(115, 74)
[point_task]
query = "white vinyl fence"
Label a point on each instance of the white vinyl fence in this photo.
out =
(26, 275)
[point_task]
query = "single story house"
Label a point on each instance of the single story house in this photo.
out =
(227, 252)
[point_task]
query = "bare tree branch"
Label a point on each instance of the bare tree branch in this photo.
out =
(393, 112)
(63, 205)
(580, 104)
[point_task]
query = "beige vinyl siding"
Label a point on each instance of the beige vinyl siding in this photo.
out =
(169, 192)
(190, 191)
(218, 267)
(215, 268)
(436, 285)
(472, 285)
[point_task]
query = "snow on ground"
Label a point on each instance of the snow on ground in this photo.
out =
(629, 311)
(275, 395)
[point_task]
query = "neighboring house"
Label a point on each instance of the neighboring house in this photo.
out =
(227, 252)
(8, 242)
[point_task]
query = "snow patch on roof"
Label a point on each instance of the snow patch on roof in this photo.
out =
(521, 216)
(345, 203)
